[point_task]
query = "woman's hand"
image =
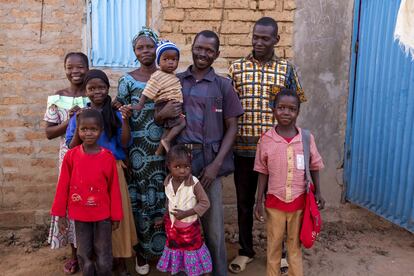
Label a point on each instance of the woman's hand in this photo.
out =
(158, 222)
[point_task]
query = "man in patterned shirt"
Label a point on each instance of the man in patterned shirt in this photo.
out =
(257, 79)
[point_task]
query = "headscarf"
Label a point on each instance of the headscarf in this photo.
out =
(110, 118)
(163, 46)
(145, 32)
(96, 74)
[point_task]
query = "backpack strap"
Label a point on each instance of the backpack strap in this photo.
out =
(306, 154)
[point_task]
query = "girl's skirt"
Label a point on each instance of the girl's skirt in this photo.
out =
(125, 237)
(185, 250)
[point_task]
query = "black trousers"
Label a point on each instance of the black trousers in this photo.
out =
(94, 243)
(245, 180)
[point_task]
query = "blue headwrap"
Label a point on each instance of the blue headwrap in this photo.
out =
(145, 32)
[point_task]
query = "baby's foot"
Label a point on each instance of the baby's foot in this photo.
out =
(160, 150)
(165, 144)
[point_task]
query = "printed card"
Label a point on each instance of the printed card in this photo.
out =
(300, 162)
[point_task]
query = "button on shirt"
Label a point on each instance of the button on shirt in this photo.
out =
(284, 163)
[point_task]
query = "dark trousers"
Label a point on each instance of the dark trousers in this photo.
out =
(94, 243)
(245, 180)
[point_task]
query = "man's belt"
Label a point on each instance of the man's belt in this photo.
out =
(194, 146)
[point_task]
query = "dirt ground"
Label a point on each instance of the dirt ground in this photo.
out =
(353, 242)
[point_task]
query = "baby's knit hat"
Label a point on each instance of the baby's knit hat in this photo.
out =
(163, 46)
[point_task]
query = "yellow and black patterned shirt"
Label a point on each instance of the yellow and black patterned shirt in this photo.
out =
(257, 85)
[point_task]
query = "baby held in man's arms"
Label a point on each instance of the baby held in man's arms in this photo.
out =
(162, 87)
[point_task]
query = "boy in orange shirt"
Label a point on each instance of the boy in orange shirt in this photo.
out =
(281, 166)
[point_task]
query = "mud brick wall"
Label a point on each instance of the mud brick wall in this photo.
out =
(231, 19)
(35, 35)
(32, 47)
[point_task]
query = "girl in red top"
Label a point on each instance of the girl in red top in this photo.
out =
(88, 189)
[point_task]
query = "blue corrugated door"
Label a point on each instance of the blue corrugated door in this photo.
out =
(379, 163)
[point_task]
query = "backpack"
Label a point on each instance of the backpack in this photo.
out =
(312, 221)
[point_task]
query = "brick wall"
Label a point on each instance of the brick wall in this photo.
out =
(232, 19)
(33, 41)
(32, 46)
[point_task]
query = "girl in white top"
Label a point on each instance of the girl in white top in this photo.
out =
(184, 250)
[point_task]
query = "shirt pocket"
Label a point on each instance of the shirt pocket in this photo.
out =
(215, 104)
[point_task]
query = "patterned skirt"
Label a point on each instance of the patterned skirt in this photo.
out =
(185, 250)
(58, 239)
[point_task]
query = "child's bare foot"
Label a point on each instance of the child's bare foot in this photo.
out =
(160, 150)
(166, 144)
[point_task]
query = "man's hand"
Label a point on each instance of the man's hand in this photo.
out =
(258, 211)
(209, 174)
(115, 225)
(170, 110)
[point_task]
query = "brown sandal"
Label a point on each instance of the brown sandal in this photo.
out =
(71, 267)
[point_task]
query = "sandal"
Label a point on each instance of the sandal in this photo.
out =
(71, 267)
(284, 266)
(142, 269)
(239, 264)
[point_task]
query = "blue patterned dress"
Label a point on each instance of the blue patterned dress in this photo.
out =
(145, 186)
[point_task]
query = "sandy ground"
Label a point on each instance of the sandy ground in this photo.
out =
(353, 242)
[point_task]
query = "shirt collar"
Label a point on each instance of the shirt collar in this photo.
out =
(251, 58)
(210, 76)
(188, 182)
(277, 138)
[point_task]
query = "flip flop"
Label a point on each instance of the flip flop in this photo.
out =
(71, 267)
(284, 266)
(239, 264)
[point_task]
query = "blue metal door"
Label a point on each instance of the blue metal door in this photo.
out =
(379, 160)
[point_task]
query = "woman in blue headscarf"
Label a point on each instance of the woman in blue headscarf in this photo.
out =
(147, 170)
